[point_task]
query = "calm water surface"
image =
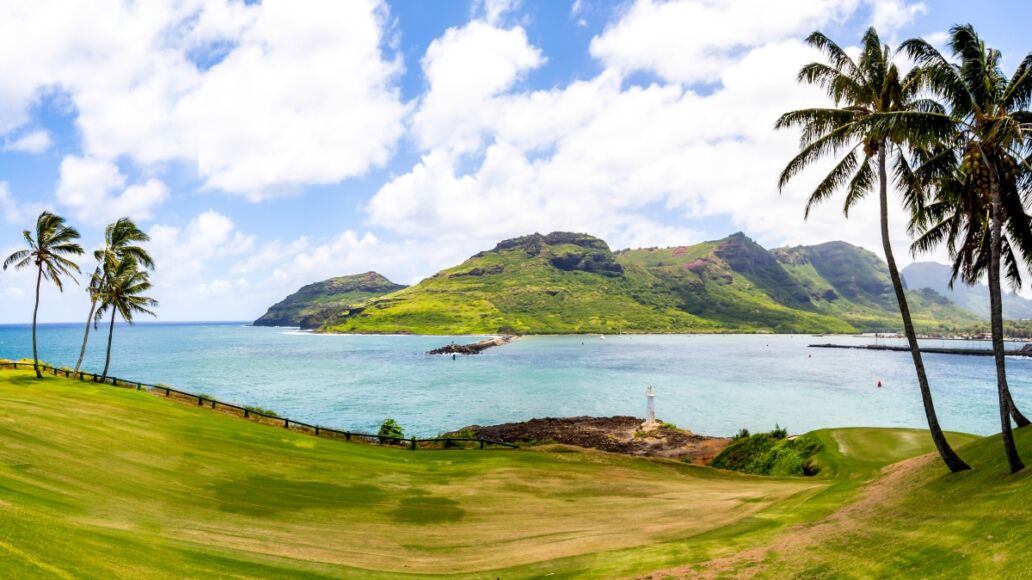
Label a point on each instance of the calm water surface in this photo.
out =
(711, 384)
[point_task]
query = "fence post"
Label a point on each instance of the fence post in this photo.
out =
(316, 430)
(481, 443)
(246, 413)
(200, 401)
(413, 443)
(286, 423)
(167, 391)
(347, 435)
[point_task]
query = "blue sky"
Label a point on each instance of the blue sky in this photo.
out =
(268, 145)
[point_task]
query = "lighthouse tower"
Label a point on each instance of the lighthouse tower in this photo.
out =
(650, 410)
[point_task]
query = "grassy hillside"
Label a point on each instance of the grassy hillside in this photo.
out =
(560, 283)
(573, 283)
(100, 482)
(313, 304)
(913, 522)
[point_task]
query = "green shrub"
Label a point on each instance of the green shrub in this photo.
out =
(390, 428)
(771, 453)
(263, 411)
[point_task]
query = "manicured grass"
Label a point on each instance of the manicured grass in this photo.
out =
(918, 522)
(97, 481)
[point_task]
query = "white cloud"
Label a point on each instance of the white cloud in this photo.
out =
(95, 191)
(465, 68)
(492, 11)
(36, 141)
(626, 163)
(888, 16)
(263, 98)
(693, 41)
(15, 212)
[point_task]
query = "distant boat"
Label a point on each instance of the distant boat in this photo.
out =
(601, 337)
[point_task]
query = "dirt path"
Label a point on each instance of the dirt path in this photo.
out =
(749, 563)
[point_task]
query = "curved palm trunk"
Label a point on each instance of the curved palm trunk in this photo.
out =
(35, 311)
(996, 322)
(949, 457)
(111, 333)
(1018, 417)
(86, 335)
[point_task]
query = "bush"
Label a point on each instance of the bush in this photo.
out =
(390, 428)
(263, 411)
(771, 453)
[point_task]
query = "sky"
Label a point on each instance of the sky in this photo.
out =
(267, 145)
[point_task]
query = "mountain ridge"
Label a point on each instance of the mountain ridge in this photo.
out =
(566, 282)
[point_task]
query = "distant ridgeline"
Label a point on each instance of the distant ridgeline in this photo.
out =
(974, 299)
(573, 283)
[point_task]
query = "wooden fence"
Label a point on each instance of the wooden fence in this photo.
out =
(248, 413)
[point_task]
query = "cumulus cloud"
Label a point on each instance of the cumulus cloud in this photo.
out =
(466, 68)
(264, 98)
(36, 141)
(693, 41)
(95, 191)
(888, 16)
(16, 212)
(625, 162)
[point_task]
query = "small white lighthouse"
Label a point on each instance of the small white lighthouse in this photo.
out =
(650, 409)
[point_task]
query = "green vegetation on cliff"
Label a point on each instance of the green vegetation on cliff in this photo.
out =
(573, 283)
(313, 304)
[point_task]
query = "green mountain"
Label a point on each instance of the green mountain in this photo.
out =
(573, 283)
(975, 298)
(310, 306)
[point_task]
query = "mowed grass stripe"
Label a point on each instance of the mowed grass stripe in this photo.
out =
(123, 482)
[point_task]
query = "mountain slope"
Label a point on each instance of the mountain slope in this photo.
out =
(853, 284)
(559, 283)
(573, 283)
(975, 299)
(320, 300)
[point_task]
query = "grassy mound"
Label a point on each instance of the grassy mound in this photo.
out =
(771, 453)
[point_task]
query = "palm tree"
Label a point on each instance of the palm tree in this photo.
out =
(120, 240)
(47, 250)
(861, 90)
(122, 294)
(988, 126)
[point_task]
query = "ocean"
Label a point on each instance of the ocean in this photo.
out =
(709, 384)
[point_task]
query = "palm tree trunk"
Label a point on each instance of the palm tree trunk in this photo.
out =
(86, 335)
(996, 323)
(35, 311)
(949, 457)
(111, 333)
(1018, 417)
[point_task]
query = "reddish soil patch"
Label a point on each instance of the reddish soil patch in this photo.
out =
(613, 434)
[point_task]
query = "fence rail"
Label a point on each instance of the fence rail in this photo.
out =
(207, 401)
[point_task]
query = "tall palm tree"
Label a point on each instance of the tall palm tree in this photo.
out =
(121, 239)
(988, 125)
(860, 91)
(47, 250)
(122, 295)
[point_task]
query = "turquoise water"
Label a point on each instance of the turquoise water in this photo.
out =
(711, 384)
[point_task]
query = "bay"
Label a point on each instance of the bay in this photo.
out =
(710, 384)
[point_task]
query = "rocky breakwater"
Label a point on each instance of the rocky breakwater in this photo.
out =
(473, 348)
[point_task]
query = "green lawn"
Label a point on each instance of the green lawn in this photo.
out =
(97, 481)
